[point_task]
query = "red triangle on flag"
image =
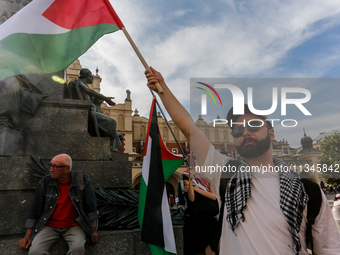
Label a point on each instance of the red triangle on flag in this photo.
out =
(71, 14)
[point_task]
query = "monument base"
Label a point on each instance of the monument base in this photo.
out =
(13, 137)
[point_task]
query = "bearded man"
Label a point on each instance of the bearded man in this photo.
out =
(263, 214)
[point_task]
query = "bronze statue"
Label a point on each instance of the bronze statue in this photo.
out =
(99, 124)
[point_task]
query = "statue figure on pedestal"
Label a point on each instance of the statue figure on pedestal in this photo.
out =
(128, 95)
(99, 124)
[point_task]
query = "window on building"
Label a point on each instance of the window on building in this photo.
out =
(176, 131)
(165, 134)
(142, 131)
(216, 136)
(225, 135)
(285, 150)
(206, 132)
(121, 124)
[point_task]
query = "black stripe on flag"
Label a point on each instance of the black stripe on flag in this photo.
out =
(152, 228)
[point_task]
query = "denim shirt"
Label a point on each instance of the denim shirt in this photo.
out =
(45, 200)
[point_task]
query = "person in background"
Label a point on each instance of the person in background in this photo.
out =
(171, 201)
(336, 200)
(200, 215)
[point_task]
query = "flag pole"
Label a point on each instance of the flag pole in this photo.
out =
(158, 86)
(141, 58)
(172, 132)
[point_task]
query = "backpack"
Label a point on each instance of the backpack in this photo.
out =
(313, 206)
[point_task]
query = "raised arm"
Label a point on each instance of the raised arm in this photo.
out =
(208, 194)
(198, 141)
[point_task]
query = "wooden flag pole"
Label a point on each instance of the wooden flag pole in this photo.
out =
(159, 88)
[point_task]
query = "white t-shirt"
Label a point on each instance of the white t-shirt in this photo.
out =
(265, 230)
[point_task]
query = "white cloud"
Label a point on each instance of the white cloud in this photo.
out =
(180, 13)
(230, 40)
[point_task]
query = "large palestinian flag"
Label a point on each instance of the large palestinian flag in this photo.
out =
(153, 211)
(48, 35)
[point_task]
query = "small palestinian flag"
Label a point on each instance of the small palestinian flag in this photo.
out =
(153, 211)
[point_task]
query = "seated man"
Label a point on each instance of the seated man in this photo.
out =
(61, 209)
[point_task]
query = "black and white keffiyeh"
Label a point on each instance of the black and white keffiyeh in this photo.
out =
(293, 199)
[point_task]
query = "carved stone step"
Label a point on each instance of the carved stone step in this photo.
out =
(56, 115)
(15, 173)
(47, 145)
(11, 142)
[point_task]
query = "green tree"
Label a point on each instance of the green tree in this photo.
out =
(331, 158)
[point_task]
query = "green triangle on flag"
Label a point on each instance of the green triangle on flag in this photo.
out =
(46, 36)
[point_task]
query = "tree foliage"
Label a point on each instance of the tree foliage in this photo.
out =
(331, 158)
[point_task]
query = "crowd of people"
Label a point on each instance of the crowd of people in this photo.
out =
(336, 200)
(328, 190)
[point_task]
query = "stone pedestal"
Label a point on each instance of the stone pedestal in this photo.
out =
(14, 138)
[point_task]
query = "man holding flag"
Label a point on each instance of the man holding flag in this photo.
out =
(261, 215)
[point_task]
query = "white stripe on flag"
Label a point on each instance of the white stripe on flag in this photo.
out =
(146, 162)
(29, 20)
(168, 232)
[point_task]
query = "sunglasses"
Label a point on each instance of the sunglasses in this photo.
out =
(252, 126)
(55, 167)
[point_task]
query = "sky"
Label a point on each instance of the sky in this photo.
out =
(224, 39)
